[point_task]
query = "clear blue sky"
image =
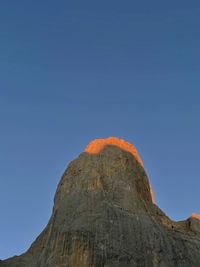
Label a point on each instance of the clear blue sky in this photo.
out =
(72, 71)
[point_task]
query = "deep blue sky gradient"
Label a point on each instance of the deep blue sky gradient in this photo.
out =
(72, 71)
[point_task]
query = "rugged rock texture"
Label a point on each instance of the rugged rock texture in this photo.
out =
(104, 216)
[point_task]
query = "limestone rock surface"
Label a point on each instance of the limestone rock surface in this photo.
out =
(104, 216)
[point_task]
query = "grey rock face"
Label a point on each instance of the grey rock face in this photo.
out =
(103, 216)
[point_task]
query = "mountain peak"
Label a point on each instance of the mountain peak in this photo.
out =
(195, 215)
(97, 145)
(104, 216)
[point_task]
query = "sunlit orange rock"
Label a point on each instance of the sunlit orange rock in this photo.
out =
(98, 145)
(152, 195)
(195, 215)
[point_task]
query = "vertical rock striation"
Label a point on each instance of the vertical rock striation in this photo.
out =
(104, 216)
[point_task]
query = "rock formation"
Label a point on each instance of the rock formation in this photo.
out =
(104, 216)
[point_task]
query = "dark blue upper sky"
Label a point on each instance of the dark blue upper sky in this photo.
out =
(74, 71)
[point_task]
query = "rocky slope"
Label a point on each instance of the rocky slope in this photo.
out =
(104, 216)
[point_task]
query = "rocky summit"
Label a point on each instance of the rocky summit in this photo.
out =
(104, 216)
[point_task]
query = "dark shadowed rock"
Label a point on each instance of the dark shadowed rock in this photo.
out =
(104, 216)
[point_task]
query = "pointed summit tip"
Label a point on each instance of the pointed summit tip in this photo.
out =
(195, 215)
(97, 145)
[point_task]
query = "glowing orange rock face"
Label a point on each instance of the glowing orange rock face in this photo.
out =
(96, 146)
(152, 195)
(195, 215)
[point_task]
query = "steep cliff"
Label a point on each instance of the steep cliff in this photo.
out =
(104, 216)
